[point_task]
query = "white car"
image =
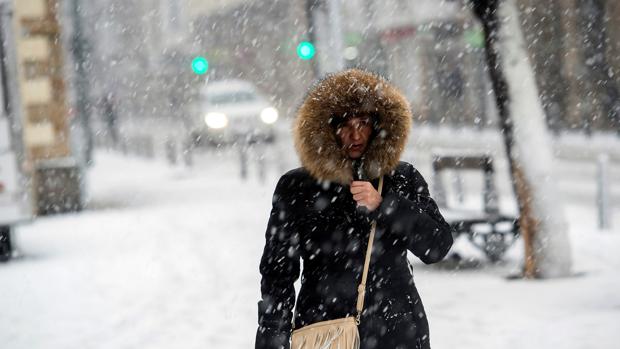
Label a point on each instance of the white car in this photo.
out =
(233, 111)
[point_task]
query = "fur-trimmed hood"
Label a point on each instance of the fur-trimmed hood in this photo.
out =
(346, 93)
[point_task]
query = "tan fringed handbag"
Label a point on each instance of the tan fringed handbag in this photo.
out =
(339, 333)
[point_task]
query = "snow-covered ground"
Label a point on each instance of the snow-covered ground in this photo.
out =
(167, 257)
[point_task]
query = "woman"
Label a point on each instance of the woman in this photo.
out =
(350, 131)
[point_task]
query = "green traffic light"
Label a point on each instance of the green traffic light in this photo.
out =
(200, 65)
(305, 50)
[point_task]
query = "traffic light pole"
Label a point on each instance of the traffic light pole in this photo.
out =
(311, 5)
(325, 32)
(80, 52)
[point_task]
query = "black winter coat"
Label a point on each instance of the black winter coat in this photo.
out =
(318, 222)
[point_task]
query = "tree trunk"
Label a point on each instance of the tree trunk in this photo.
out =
(528, 145)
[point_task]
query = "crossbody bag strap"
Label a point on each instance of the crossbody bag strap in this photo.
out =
(361, 289)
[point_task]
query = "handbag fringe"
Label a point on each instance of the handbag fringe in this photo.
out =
(331, 334)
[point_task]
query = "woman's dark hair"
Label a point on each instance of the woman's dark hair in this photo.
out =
(335, 121)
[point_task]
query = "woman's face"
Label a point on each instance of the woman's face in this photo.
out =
(354, 135)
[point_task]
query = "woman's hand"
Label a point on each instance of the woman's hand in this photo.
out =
(365, 195)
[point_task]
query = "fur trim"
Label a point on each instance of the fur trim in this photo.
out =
(351, 91)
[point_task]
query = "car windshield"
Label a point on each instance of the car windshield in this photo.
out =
(231, 97)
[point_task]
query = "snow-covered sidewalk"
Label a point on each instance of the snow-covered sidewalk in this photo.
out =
(168, 258)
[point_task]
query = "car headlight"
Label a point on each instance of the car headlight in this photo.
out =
(269, 115)
(216, 120)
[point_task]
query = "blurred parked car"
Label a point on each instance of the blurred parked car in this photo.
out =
(488, 229)
(233, 111)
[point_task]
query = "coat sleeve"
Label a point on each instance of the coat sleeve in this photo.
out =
(279, 268)
(417, 219)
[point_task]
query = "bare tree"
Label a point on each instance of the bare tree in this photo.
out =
(527, 142)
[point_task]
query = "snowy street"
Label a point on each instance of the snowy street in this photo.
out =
(141, 144)
(145, 266)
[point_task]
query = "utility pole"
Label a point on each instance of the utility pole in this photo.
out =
(325, 32)
(311, 6)
(80, 50)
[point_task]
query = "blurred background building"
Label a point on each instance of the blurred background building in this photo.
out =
(574, 47)
(433, 52)
(119, 72)
(55, 136)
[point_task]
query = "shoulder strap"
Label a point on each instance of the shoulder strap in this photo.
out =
(361, 289)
